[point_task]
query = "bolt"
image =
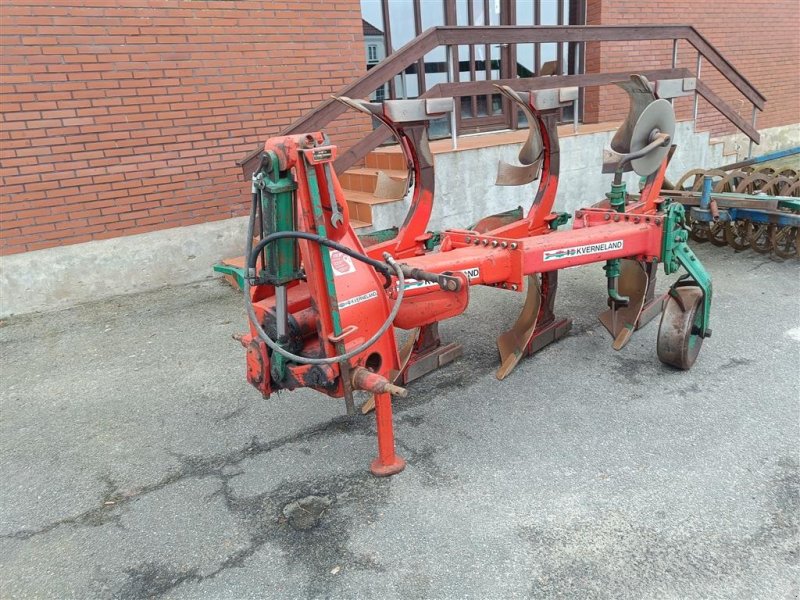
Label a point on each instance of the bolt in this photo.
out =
(477, 241)
(636, 219)
(485, 242)
(578, 215)
(626, 217)
(514, 287)
(658, 221)
(616, 218)
(606, 217)
(513, 245)
(467, 239)
(647, 219)
(495, 244)
(678, 239)
(505, 286)
(504, 244)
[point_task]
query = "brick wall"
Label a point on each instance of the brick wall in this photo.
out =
(759, 37)
(125, 116)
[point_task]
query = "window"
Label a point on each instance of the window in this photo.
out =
(390, 24)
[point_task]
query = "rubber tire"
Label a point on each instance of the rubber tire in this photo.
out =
(677, 346)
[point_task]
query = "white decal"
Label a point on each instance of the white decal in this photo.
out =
(472, 273)
(341, 263)
(583, 250)
(358, 299)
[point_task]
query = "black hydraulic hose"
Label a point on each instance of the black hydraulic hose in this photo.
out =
(252, 256)
(382, 267)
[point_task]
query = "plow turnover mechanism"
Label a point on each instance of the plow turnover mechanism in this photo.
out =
(323, 303)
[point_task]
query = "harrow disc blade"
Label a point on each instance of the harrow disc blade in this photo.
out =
(736, 234)
(760, 237)
(784, 242)
(677, 345)
(513, 342)
(716, 233)
(633, 282)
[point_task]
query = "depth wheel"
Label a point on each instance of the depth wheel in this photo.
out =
(736, 234)
(784, 242)
(677, 345)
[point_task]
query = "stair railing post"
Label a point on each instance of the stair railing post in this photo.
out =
(451, 77)
(696, 95)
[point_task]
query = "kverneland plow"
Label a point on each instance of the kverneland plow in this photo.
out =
(323, 305)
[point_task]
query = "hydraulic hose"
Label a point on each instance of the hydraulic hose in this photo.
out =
(252, 255)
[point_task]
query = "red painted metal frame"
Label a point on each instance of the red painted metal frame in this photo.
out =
(502, 258)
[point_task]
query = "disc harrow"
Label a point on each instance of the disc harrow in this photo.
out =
(747, 205)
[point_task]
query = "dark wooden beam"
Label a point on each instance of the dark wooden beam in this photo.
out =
(712, 55)
(469, 88)
(417, 48)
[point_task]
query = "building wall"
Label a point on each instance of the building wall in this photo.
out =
(125, 116)
(759, 37)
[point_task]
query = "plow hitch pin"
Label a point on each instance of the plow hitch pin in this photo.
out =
(364, 379)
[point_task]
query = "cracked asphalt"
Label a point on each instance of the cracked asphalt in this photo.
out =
(136, 462)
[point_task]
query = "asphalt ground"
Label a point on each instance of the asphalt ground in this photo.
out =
(137, 462)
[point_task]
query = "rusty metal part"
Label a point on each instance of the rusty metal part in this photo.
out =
(421, 353)
(794, 190)
(765, 170)
(753, 183)
(391, 188)
(736, 234)
(790, 173)
(512, 343)
(694, 178)
(405, 352)
(364, 379)
(729, 182)
(760, 237)
(779, 185)
(530, 155)
(784, 242)
(678, 345)
(621, 322)
(641, 96)
(716, 233)
(700, 232)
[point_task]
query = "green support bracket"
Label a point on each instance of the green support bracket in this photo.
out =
(560, 219)
(616, 197)
(676, 253)
(235, 272)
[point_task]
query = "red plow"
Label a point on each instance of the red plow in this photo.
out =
(323, 306)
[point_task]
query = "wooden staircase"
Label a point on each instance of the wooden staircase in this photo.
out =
(360, 184)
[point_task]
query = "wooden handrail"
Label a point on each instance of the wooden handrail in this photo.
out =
(434, 37)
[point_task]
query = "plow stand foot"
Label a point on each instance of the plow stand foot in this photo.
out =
(387, 463)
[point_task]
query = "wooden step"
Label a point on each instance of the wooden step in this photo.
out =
(360, 205)
(364, 179)
(386, 159)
